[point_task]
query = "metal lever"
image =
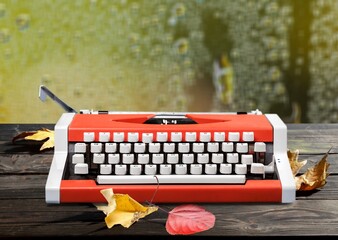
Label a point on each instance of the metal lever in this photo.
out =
(44, 92)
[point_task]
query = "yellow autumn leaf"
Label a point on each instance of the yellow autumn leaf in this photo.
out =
(314, 177)
(40, 135)
(122, 209)
(294, 163)
(109, 196)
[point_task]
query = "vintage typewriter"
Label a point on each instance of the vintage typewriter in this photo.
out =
(170, 157)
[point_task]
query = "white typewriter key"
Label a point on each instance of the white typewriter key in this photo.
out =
(139, 147)
(150, 169)
(104, 136)
(217, 158)
(165, 169)
(98, 158)
(132, 136)
(161, 136)
(213, 147)
(233, 136)
(80, 147)
(188, 158)
(181, 169)
(143, 158)
(183, 147)
(118, 136)
(81, 168)
(257, 168)
(172, 158)
(147, 137)
(196, 169)
(88, 136)
(105, 169)
(232, 157)
(154, 147)
(128, 158)
(113, 158)
(78, 158)
(198, 147)
(242, 147)
(125, 147)
(260, 147)
(227, 147)
(248, 136)
(247, 159)
(176, 137)
(96, 147)
(219, 136)
(120, 169)
(169, 147)
(225, 168)
(110, 147)
(210, 169)
(190, 136)
(240, 168)
(135, 169)
(157, 158)
(203, 158)
(205, 136)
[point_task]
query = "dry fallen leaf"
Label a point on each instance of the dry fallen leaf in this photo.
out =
(44, 134)
(314, 177)
(122, 209)
(189, 219)
(294, 163)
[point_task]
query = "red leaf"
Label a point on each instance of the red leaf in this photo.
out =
(189, 219)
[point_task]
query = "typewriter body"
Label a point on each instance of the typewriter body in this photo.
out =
(171, 157)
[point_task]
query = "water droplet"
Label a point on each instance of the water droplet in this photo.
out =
(274, 73)
(46, 79)
(182, 46)
(8, 53)
(23, 21)
(135, 7)
(161, 9)
(4, 35)
(178, 10)
(172, 21)
(187, 62)
(70, 54)
(133, 38)
(272, 7)
(2, 10)
(113, 11)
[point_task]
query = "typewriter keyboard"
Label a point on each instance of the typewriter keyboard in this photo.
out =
(171, 158)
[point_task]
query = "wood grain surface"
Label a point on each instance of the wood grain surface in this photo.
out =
(24, 213)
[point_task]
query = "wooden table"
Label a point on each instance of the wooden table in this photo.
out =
(24, 213)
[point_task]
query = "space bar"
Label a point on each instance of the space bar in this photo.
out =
(171, 179)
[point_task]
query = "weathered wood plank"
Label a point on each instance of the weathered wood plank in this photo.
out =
(23, 211)
(300, 218)
(313, 138)
(25, 163)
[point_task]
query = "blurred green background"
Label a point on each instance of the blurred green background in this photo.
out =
(168, 55)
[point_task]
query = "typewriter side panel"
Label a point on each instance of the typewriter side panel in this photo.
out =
(281, 159)
(52, 188)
